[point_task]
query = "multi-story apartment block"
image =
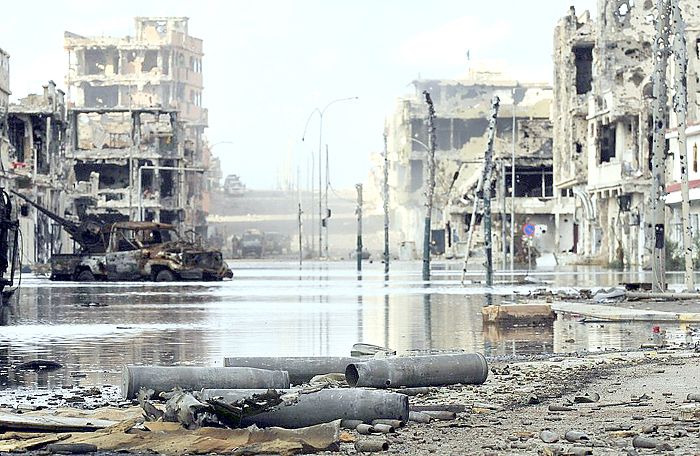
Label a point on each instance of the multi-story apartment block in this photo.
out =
(142, 94)
(602, 126)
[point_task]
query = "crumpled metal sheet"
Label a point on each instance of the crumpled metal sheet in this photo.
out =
(172, 439)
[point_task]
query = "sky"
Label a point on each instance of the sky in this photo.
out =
(269, 64)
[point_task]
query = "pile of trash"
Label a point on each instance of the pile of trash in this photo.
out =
(256, 405)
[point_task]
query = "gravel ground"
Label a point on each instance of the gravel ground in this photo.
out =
(641, 393)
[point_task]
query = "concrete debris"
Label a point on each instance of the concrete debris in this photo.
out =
(610, 295)
(576, 436)
(587, 398)
(488, 423)
(518, 314)
(549, 437)
(364, 350)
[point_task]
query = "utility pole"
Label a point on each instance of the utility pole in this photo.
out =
(301, 250)
(488, 167)
(658, 157)
(430, 191)
(313, 203)
(472, 226)
(358, 211)
(680, 105)
(320, 193)
(512, 191)
(504, 249)
(385, 198)
(327, 215)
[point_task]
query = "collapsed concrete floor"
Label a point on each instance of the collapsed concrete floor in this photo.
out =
(641, 393)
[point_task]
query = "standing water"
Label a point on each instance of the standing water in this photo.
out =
(273, 308)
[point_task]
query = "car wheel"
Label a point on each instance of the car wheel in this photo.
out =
(165, 275)
(85, 276)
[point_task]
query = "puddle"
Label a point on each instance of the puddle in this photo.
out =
(273, 308)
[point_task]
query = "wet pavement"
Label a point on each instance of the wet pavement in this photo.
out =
(273, 308)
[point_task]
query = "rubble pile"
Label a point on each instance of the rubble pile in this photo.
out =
(596, 404)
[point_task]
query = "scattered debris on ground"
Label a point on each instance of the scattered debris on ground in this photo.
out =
(612, 403)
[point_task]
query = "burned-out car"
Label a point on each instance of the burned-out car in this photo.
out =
(133, 251)
(142, 251)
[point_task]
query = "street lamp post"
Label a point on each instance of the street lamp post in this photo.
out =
(320, 171)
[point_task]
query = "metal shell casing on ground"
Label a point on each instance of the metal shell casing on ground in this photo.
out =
(410, 371)
(301, 368)
(165, 378)
(323, 406)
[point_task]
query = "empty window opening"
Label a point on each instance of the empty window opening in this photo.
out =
(94, 61)
(533, 182)
(624, 202)
(169, 217)
(695, 157)
(416, 175)
(16, 136)
(150, 61)
(147, 181)
(583, 59)
(578, 147)
(468, 218)
(166, 62)
(606, 143)
(101, 97)
(112, 176)
(167, 183)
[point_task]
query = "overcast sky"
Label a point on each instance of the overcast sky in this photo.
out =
(268, 64)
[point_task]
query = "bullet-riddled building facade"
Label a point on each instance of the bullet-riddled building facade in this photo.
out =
(138, 146)
(602, 126)
(4, 103)
(462, 109)
(36, 130)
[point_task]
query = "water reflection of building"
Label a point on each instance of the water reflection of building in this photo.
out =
(572, 335)
(421, 321)
(139, 325)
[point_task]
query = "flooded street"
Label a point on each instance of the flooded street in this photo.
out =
(273, 308)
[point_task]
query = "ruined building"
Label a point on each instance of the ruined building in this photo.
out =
(462, 110)
(602, 126)
(32, 131)
(36, 126)
(4, 102)
(137, 146)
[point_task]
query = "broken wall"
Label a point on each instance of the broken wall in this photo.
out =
(463, 108)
